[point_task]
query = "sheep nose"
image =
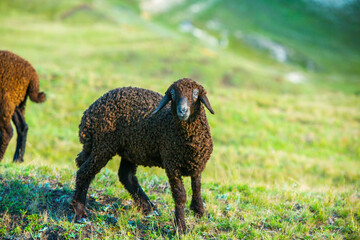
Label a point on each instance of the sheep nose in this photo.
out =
(183, 109)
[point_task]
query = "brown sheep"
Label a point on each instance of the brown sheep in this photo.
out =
(140, 126)
(18, 79)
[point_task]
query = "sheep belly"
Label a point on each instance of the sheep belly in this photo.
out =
(134, 150)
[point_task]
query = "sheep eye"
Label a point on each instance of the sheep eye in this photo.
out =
(195, 93)
(172, 92)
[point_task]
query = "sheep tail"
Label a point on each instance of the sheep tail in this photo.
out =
(86, 139)
(33, 91)
(81, 158)
(84, 154)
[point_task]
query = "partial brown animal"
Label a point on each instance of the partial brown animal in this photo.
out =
(18, 79)
(148, 129)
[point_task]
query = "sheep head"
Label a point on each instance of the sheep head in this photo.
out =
(186, 97)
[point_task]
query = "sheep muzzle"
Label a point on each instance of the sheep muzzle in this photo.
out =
(183, 109)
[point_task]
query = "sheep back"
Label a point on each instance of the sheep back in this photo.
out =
(18, 78)
(119, 122)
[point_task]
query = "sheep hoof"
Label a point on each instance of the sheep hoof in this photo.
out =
(198, 208)
(198, 212)
(182, 230)
(80, 213)
(18, 160)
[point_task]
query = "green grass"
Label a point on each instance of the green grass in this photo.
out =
(286, 156)
(36, 204)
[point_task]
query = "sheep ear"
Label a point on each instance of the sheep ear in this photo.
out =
(162, 103)
(206, 102)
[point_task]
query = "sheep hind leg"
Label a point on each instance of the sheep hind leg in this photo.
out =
(128, 178)
(21, 129)
(6, 135)
(84, 176)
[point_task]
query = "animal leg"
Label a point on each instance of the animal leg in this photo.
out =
(128, 178)
(84, 176)
(6, 135)
(22, 129)
(179, 196)
(196, 203)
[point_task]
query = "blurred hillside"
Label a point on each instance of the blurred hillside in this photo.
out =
(316, 35)
(313, 34)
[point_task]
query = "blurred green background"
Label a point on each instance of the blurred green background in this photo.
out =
(282, 76)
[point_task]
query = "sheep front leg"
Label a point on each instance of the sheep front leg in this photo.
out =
(196, 203)
(179, 196)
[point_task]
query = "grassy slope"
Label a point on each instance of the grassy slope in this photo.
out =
(285, 161)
